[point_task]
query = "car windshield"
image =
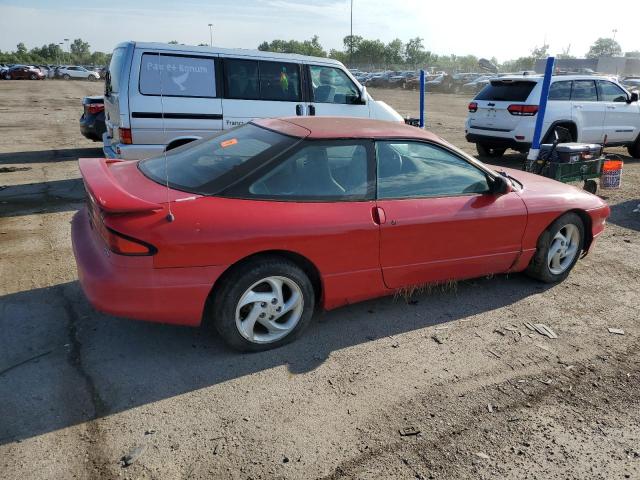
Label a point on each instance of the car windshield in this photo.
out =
(210, 165)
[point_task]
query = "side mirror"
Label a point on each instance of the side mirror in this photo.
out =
(500, 185)
(364, 97)
(634, 96)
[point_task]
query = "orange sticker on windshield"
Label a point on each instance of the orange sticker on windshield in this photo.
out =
(228, 143)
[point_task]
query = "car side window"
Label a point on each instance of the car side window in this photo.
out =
(584, 91)
(610, 92)
(417, 170)
(279, 81)
(319, 171)
(332, 85)
(560, 90)
(177, 75)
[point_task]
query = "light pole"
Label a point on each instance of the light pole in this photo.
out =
(615, 30)
(211, 34)
(61, 50)
(351, 37)
(68, 49)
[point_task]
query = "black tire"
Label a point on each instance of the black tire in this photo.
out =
(33, 76)
(550, 137)
(539, 266)
(590, 186)
(66, 76)
(634, 150)
(485, 150)
(92, 78)
(238, 281)
(7, 76)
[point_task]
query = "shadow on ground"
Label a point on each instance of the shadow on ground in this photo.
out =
(41, 197)
(61, 363)
(44, 156)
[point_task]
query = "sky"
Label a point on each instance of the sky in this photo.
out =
(504, 29)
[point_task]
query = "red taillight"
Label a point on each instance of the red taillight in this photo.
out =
(125, 136)
(95, 108)
(523, 110)
(117, 242)
(473, 107)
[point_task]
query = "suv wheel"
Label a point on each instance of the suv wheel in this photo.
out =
(92, 78)
(33, 76)
(66, 76)
(634, 149)
(485, 150)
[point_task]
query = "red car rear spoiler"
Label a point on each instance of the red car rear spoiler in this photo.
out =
(106, 191)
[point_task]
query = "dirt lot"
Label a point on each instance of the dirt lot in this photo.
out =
(490, 399)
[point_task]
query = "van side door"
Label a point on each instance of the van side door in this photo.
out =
(257, 88)
(172, 96)
(333, 93)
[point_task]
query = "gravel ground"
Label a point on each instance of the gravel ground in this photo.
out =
(446, 384)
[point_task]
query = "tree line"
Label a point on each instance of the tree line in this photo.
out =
(367, 53)
(53, 54)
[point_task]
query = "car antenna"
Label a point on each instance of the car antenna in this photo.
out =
(170, 216)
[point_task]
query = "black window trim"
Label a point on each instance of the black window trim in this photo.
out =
(216, 66)
(488, 173)
(240, 189)
(226, 96)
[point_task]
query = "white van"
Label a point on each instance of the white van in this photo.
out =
(201, 90)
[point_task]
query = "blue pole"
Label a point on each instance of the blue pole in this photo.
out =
(421, 98)
(542, 108)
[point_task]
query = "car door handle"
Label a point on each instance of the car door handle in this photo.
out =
(611, 107)
(378, 215)
(299, 110)
(577, 106)
(312, 110)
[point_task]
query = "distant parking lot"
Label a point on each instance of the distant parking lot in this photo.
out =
(442, 384)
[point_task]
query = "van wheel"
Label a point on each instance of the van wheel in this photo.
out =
(485, 150)
(263, 304)
(634, 150)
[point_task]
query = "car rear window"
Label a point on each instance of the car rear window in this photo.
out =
(210, 165)
(506, 91)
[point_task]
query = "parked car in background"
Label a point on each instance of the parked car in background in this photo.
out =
(441, 83)
(76, 72)
(460, 79)
(631, 83)
(23, 72)
(476, 85)
(209, 89)
(92, 124)
(253, 230)
(503, 114)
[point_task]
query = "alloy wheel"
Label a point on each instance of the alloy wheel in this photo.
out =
(269, 309)
(563, 249)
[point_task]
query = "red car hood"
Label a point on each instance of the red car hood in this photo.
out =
(544, 194)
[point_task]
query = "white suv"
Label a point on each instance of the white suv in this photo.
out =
(78, 72)
(503, 114)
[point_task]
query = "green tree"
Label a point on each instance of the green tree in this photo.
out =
(310, 47)
(604, 47)
(173, 42)
(21, 49)
(415, 53)
(540, 52)
(394, 51)
(80, 51)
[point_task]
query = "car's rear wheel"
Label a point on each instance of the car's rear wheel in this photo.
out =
(559, 248)
(7, 76)
(92, 78)
(33, 76)
(485, 150)
(66, 76)
(263, 304)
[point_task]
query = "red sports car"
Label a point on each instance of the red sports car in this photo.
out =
(253, 229)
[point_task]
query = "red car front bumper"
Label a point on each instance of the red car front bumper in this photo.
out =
(131, 287)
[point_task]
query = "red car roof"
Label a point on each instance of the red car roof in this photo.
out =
(344, 127)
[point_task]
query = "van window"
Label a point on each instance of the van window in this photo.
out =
(177, 75)
(241, 79)
(261, 80)
(560, 90)
(279, 81)
(332, 85)
(506, 91)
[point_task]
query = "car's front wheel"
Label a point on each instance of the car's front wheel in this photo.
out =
(634, 149)
(559, 248)
(66, 76)
(92, 78)
(263, 304)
